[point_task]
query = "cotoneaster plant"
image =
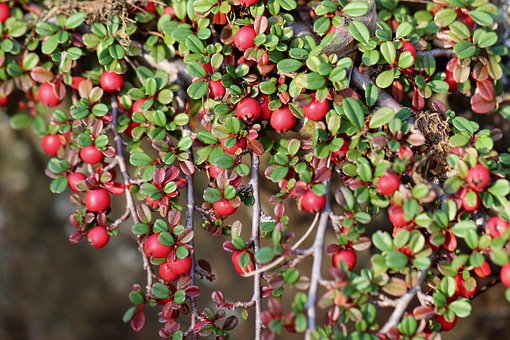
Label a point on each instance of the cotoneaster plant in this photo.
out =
(337, 109)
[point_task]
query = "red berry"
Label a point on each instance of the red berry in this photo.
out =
(505, 275)
(240, 144)
(224, 208)
(478, 177)
(445, 325)
(208, 68)
(73, 178)
(166, 273)
(153, 248)
(466, 18)
(97, 200)
(265, 112)
(397, 217)
(483, 270)
(348, 256)
(248, 2)
(388, 184)
(248, 109)
(244, 38)
(137, 105)
(332, 29)
(111, 81)
(282, 120)
(409, 47)
(98, 237)
(5, 12)
(150, 7)
(51, 144)
(312, 202)
(451, 81)
(236, 255)
(216, 89)
(169, 10)
(496, 226)
(317, 110)
(180, 266)
(462, 290)
(470, 199)
(91, 155)
(405, 152)
(47, 95)
(76, 83)
(4, 100)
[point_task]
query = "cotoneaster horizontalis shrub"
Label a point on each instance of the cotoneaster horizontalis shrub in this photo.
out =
(344, 104)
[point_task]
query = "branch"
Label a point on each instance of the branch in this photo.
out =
(255, 238)
(361, 81)
(129, 198)
(438, 52)
(190, 208)
(403, 302)
(318, 246)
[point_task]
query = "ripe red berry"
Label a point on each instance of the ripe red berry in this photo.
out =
(265, 112)
(282, 120)
(505, 275)
(216, 89)
(91, 155)
(169, 10)
(316, 110)
(470, 199)
(248, 2)
(166, 273)
(397, 217)
(348, 256)
(409, 47)
(483, 270)
(73, 178)
(388, 184)
(4, 100)
(51, 144)
(332, 29)
(236, 255)
(180, 266)
(223, 208)
(338, 155)
(240, 144)
(5, 12)
(445, 325)
(97, 200)
(47, 95)
(150, 7)
(248, 109)
(451, 81)
(137, 105)
(153, 248)
(312, 202)
(496, 226)
(478, 177)
(462, 290)
(111, 81)
(98, 237)
(244, 38)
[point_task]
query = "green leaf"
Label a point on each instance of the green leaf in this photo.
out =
(396, 260)
(382, 241)
(500, 188)
(356, 8)
(445, 17)
(197, 90)
(461, 307)
(195, 44)
(353, 112)
(265, 254)
(381, 117)
(75, 20)
(359, 31)
(403, 30)
(160, 291)
(139, 159)
(136, 298)
(58, 185)
(289, 65)
(481, 18)
(389, 52)
(314, 81)
(20, 121)
(223, 162)
(385, 79)
(464, 49)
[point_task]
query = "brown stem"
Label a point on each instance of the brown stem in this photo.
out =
(255, 238)
(129, 198)
(403, 302)
(361, 81)
(318, 246)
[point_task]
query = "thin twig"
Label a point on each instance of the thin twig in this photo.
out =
(255, 238)
(129, 198)
(190, 208)
(438, 52)
(403, 302)
(318, 246)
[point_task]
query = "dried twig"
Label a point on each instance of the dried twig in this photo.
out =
(255, 238)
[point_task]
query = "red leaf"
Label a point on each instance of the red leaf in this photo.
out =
(486, 90)
(138, 321)
(482, 106)
(41, 75)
